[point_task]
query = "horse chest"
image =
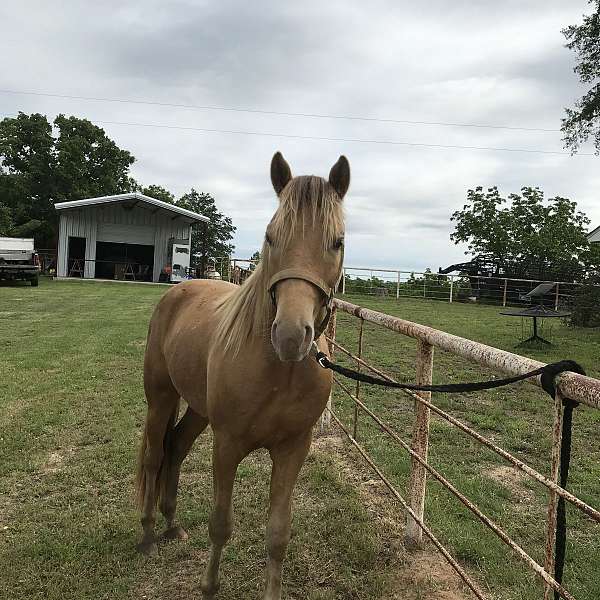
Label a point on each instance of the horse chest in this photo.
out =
(264, 410)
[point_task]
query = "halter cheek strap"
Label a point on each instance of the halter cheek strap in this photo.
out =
(316, 281)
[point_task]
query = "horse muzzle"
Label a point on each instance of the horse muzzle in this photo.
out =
(291, 341)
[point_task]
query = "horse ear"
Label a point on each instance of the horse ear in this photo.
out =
(339, 176)
(280, 172)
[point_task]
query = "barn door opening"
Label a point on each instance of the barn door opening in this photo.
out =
(76, 257)
(129, 262)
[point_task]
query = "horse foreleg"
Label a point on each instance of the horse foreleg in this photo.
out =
(226, 459)
(287, 462)
(188, 429)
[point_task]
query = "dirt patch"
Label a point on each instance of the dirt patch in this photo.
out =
(56, 459)
(512, 479)
(137, 343)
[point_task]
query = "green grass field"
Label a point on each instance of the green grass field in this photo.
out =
(71, 408)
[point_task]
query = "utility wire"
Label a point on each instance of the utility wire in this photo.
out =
(274, 112)
(335, 139)
(347, 140)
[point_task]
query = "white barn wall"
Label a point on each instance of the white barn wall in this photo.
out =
(77, 223)
(138, 223)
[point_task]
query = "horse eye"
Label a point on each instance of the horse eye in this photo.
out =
(339, 243)
(268, 239)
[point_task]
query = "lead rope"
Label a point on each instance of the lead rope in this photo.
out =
(548, 374)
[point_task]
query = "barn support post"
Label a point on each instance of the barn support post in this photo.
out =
(420, 444)
(552, 495)
(556, 297)
(325, 421)
(504, 294)
(203, 246)
(451, 287)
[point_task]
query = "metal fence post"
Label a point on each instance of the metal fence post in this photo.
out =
(556, 297)
(504, 295)
(398, 286)
(451, 287)
(357, 394)
(420, 442)
(330, 333)
(552, 495)
(344, 281)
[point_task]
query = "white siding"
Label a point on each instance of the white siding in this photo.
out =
(142, 224)
(126, 234)
(77, 223)
(167, 228)
(594, 236)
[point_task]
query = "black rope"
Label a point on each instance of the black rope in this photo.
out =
(548, 375)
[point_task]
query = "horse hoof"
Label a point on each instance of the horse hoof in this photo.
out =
(175, 533)
(148, 548)
(210, 592)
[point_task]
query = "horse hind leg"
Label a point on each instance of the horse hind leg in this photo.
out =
(188, 429)
(163, 408)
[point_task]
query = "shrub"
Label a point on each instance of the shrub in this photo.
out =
(586, 306)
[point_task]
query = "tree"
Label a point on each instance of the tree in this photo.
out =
(38, 169)
(88, 162)
(214, 242)
(27, 172)
(5, 219)
(159, 193)
(583, 121)
(524, 236)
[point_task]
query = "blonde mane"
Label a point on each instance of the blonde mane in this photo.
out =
(248, 310)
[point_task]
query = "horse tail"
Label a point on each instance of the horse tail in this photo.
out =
(141, 482)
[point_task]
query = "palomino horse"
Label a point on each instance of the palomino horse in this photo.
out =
(239, 357)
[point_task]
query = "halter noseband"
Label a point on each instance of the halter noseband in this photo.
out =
(308, 277)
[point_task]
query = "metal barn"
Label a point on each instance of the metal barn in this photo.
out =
(126, 236)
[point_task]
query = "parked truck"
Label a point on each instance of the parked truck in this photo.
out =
(19, 260)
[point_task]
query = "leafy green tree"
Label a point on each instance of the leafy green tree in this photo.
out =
(525, 236)
(159, 193)
(583, 121)
(27, 173)
(38, 169)
(212, 240)
(6, 221)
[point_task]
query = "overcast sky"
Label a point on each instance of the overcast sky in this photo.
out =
(483, 62)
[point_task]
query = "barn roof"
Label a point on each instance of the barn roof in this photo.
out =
(136, 197)
(594, 235)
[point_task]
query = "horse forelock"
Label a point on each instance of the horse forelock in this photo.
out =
(247, 311)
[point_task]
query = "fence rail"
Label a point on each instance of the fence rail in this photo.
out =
(582, 389)
(398, 283)
(504, 291)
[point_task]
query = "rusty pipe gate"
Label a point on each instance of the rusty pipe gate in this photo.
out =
(582, 389)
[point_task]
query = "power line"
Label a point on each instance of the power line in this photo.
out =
(347, 140)
(334, 139)
(278, 113)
